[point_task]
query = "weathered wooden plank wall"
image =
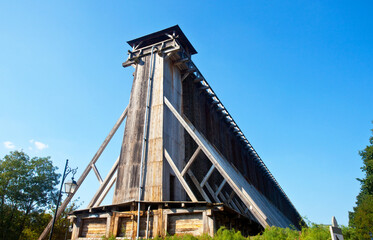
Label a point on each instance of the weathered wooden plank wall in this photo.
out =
(164, 132)
(173, 132)
(127, 183)
(198, 108)
(93, 228)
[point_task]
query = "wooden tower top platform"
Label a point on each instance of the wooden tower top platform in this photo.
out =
(162, 35)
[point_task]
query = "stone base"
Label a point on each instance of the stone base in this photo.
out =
(160, 218)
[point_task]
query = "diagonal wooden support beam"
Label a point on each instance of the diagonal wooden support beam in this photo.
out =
(209, 188)
(102, 189)
(185, 76)
(178, 175)
(208, 174)
(220, 187)
(221, 195)
(191, 160)
(99, 178)
(105, 191)
(230, 202)
(233, 178)
(231, 196)
(262, 209)
(191, 175)
(85, 173)
(196, 183)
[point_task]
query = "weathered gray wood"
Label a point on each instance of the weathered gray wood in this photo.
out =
(203, 143)
(128, 180)
(234, 178)
(196, 183)
(191, 160)
(211, 191)
(185, 76)
(208, 174)
(106, 190)
(85, 173)
(220, 187)
(178, 175)
(167, 47)
(241, 210)
(104, 184)
(231, 196)
(99, 178)
(222, 197)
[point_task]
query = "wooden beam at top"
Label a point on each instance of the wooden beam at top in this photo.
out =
(181, 61)
(185, 76)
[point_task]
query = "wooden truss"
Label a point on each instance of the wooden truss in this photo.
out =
(105, 185)
(234, 190)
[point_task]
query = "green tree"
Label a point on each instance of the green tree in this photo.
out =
(38, 221)
(361, 219)
(27, 186)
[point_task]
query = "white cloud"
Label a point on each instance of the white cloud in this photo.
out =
(40, 145)
(9, 145)
(32, 141)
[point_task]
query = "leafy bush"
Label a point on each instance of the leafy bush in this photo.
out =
(313, 232)
(225, 234)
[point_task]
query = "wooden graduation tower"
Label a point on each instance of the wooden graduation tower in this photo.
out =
(185, 166)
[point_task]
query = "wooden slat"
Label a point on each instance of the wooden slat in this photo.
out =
(211, 191)
(221, 195)
(185, 76)
(191, 160)
(234, 178)
(230, 202)
(189, 223)
(106, 190)
(196, 183)
(262, 209)
(231, 196)
(208, 174)
(86, 172)
(105, 183)
(178, 175)
(220, 187)
(99, 178)
(242, 211)
(92, 228)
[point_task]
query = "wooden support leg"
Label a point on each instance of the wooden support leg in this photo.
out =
(109, 181)
(85, 173)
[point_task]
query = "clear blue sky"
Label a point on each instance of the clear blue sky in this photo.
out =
(295, 75)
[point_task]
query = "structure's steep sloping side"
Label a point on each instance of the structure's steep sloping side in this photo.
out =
(199, 109)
